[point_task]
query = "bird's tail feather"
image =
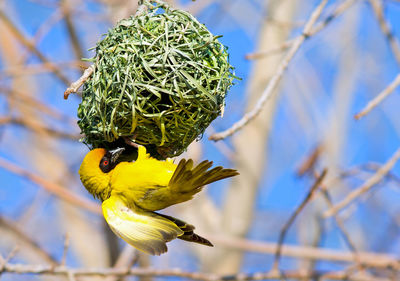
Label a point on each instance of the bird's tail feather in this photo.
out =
(187, 179)
(188, 231)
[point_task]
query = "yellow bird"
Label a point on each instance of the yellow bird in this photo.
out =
(131, 192)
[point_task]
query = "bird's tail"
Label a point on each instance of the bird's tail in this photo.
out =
(188, 180)
(188, 231)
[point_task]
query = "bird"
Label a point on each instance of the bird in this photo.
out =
(132, 192)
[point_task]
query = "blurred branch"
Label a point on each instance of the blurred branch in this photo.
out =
(73, 35)
(369, 259)
(379, 98)
(37, 127)
(377, 7)
(33, 102)
(73, 88)
(31, 47)
(317, 28)
(51, 187)
(287, 225)
(38, 68)
(276, 78)
(372, 181)
(19, 234)
(295, 274)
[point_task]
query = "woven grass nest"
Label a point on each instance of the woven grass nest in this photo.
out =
(160, 79)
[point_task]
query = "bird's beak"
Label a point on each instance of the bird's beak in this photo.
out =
(115, 153)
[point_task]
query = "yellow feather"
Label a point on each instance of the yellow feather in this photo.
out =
(145, 231)
(132, 191)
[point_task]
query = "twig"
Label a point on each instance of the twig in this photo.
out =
(38, 68)
(309, 163)
(342, 229)
(377, 7)
(283, 47)
(51, 187)
(65, 250)
(369, 259)
(276, 78)
(21, 236)
(37, 127)
(78, 83)
(76, 44)
(317, 28)
(379, 98)
(74, 87)
(372, 181)
(28, 44)
(287, 225)
(294, 274)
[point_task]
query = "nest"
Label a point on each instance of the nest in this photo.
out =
(160, 79)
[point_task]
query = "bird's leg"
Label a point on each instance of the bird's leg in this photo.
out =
(131, 141)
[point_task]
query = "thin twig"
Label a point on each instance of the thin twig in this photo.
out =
(377, 7)
(37, 127)
(29, 45)
(374, 260)
(21, 236)
(74, 87)
(317, 28)
(371, 182)
(73, 35)
(379, 98)
(287, 225)
(294, 274)
(52, 187)
(65, 250)
(276, 78)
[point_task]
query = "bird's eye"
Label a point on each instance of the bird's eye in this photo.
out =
(105, 162)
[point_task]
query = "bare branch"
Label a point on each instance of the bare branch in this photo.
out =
(21, 236)
(276, 78)
(377, 7)
(78, 83)
(379, 98)
(297, 274)
(317, 28)
(37, 126)
(287, 225)
(52, 187)
(31, 47)
(373, 260)
(372, 181)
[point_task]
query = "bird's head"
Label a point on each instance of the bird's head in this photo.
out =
(96, 169)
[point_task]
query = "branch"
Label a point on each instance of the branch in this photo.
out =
(276, 78)
(372, 181)
(369, 259)
(377, 7)
(31, 47)
(37, 127)
(74, 87)
(286, 227)
(143, 272)
(379, 98)
(20, 235)
(51, 187)
(317, 28)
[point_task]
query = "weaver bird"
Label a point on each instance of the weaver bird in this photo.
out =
(131, 192)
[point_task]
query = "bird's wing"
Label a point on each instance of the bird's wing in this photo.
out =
(144, 230)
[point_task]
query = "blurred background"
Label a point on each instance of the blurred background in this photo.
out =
(282, 197)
